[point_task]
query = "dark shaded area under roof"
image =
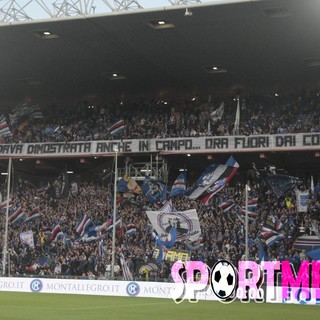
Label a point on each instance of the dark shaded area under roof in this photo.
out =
(263, 45)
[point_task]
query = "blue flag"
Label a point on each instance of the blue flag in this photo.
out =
(166, 244)
(154, 190)
(262, 254)
(314, 254)
(279, 184)
(179, 185)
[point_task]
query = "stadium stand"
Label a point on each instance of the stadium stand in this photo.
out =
(60, 248)
(61, 225)
(146, 120)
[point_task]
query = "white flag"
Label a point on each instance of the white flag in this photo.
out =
(217, 114)
(27, 237)
(186, 222)
(237, 121)
(302, 201)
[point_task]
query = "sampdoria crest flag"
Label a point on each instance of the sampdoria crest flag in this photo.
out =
(186, 223)
(214, 178)
(154, 190)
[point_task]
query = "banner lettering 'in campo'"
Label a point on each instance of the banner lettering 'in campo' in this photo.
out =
(222, 144)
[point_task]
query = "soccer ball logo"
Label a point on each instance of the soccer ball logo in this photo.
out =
(224, 280)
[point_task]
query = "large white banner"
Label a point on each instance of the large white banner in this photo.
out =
(230, 144)
(186, 222)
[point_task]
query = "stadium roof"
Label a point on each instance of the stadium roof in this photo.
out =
(221, 46)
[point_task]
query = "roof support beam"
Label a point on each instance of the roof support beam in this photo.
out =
(22, 10)
(65, 8)
(123, 5)
(183, 2)
(13, 11)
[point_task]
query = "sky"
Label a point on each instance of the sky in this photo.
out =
(36, 12)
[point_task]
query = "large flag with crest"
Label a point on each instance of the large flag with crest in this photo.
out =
(279, 184)
(213, 179)
(186, 223)
(154, 190)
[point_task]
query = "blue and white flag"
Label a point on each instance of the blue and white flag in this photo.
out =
(307, 243)
(4, 128)
(82, 223)
(179, 185)
(166, 245)
(86, 226)
(17, 215)
(154, 190)
(35, 112)
(101, 230)
(57, 233)
(272, 237)
(270, 233)
(251, 208)
(226, 205)
(33, 216)
(213, 179)
(125, 269)
(102, 250)
(6, 203)
(131, 229)
(128, 184)
(116, 128)
(67, 241)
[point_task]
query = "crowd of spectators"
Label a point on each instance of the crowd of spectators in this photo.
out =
(159, 119)
(222, 233)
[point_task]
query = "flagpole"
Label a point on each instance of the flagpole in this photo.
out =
(114, 212)
(237, 120)
(247, 223)
(5, 246)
